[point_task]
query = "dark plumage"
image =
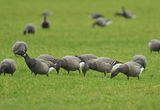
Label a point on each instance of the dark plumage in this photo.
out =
(109, 60)
(86, 57)
(37, 65)
(7, 66)
(130, 69)
(154, 45)
(45, 24)
(95, 15)
(141, 59)
(102, 22)
(70, 63)
(50, 58)
(97, 65)
(47, 13)
(29, 29)
(19, 48)
(125, 14)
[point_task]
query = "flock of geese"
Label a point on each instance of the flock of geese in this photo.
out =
(45, 63)
(99, 20)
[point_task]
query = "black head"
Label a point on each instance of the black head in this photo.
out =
(85, 68)
(141, 62)
(20, 52)
(114, 73)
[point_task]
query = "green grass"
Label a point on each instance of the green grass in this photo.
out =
(71, 34)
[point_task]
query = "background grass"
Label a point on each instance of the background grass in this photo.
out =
(71, 34)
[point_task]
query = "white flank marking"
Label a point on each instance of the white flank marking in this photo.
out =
(81, 65)
(149, 44)
(141, 71)
(51, 69)
(109, 22)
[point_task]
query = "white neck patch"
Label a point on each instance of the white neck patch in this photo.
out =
(81, 65)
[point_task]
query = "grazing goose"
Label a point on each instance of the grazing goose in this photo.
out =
(141, 59)
(29, 29)
(50, 58)
(95, 15)
(86, 57)
(70, 63)
(19, 48)
(38, 66)
(7, 66)
(125, 14)
(102, 22)
(130, 69)
(97, 65)
(45, 23)
(108, 60)
(154, 45)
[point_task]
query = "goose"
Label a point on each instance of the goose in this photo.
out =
(50, 58)
(141, 59)
(38, 66)
(45, 24)
(8, 66)
(130, 69)
(97, 65)
(70, 63)
(154, 45)
(96, 15)
(86, 57)
(102, 22)
(125, 14)
(19, 47)
(29, 29)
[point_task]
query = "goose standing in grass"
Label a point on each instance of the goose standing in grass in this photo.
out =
(125, 14)
(45, 24)
(86, 57)
(19, 48)
(154, 45)
(130, 69)
(96, 65)
(141, 59)
(38, 66)
(70, 63)
(96, 15)
(29, 29)
(50, 58)
(101, 22)
(8, 66)
(101, 64)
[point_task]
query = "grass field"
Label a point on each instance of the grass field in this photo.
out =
(71, 34)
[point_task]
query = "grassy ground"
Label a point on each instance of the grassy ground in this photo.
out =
(71, 34)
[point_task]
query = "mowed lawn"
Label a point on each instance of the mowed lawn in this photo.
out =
(71, 34)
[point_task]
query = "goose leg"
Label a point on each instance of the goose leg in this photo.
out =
(11, 74)
(79, 70)
(138, 77)
(104, 73)
(47, 75)
(35, 74)
(128, 77)
(68, 71)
